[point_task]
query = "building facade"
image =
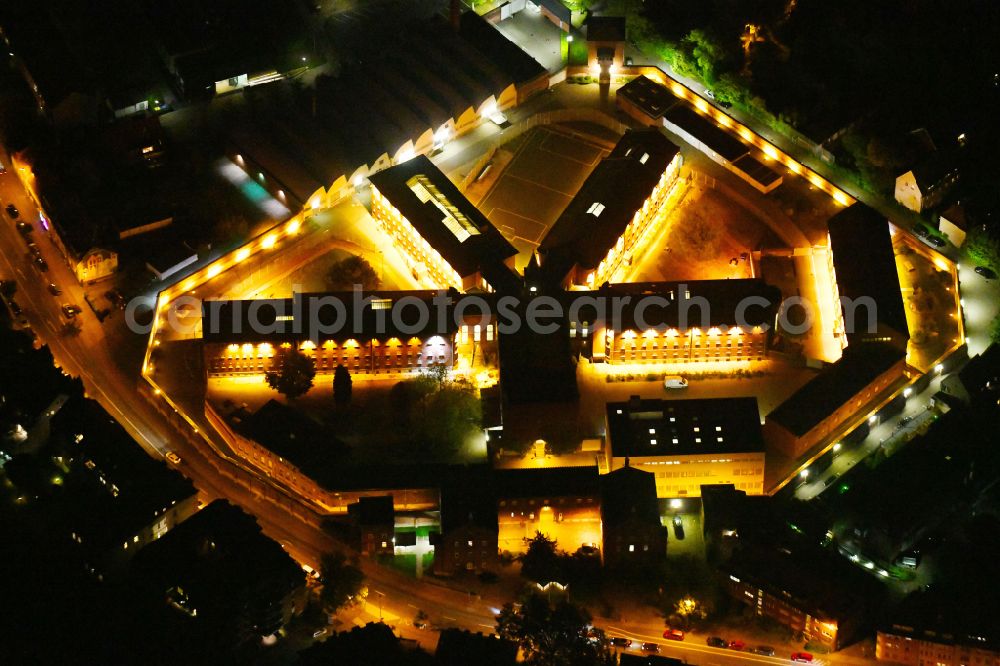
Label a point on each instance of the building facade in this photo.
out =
(685, 444)
(901, 644)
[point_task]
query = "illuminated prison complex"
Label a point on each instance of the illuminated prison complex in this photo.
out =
(686, 444)
(241, 337)
(610, 218)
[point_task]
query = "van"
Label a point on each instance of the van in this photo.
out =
(674, 382)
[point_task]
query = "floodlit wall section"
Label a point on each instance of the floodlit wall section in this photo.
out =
(283, 471)
(683, 475)
(630, 239)
(680, 346)
(427, 264)
(392, 355)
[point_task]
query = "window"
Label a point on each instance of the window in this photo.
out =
(596, 209)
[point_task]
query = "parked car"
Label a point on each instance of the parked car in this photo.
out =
(34, 249)
(618, 641)
(933, 241)
(54, 289)
(678, 527)
(803, 657)
(24, 227)
(173, 458)
(40, 263)
(987, 273)
(70, 311)
(13, 211)
(709, 94)
(726, 105)
(765, 650)
(673, 634)
(650, 647)
(674, 382)
(15, 308)
(737, 645)
(716, 642)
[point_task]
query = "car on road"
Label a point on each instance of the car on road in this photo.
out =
(54, 289)
(618, 641)
(673, 634)
(726, 105)
(14, 307)
(987, 273)
(709, 94)
(40, 263)
(737, 645)
(906, 420)
(674, 382)
(13, 211)
(716, 642)
(803, 657)
(765, 650)
(172, 458)
(24, 227)
(650, 647)
(34, 249)
(70, 311)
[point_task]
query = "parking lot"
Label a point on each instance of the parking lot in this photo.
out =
(547, 166)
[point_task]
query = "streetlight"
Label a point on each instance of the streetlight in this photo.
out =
(836, 447)
(907, 392)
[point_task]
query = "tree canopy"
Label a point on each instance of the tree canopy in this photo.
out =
(552, 634)
(346, 273)
(293, 373)
(342, 386)
(343, 582)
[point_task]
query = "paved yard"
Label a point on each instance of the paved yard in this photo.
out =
(545, 168)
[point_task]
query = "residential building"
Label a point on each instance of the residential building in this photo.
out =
(374, 521)
(841, 392)
(612, 215)
(561, 502)
(942, 628)
(814, 592)
(469, 529)
(446, 240)
(372, 334)
(867, 294)
(632, 534)
(953, 222)
(926, 184)
(685, 444)
(605, 44)
(218, 567)
(978, 381)
(121, 499)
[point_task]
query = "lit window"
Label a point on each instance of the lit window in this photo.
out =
(631, 548)
(652, 441)
(652, 431)
(381, 304)
(644, 158)
(596, 209)
(718, 428)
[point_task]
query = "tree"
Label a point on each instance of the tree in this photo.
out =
(343, 582)
(293, 373)
(541, 562)
(346, 273)
(552, 634)
(689, 610)
(342, 386)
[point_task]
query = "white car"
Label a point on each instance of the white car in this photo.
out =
(674, 382)
(709, 94)
(173, 458)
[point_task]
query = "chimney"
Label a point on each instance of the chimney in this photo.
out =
(455, 13)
